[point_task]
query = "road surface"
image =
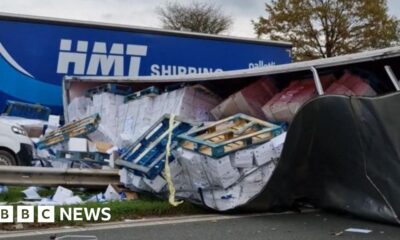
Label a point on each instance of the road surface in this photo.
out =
(304, 226)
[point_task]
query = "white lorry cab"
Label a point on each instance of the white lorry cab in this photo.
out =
(16, 148)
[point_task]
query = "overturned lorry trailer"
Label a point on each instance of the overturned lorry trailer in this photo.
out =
(341, 150)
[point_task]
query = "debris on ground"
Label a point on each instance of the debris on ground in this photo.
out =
(358, 230)
(31, 194)
(65, 196)
(3, 189)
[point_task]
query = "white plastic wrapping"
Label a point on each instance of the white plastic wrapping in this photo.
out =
(219, 183)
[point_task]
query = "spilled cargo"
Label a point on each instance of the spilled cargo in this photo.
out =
(256, 143)
(219, 156)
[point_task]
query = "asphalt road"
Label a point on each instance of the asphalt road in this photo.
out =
(307, 226)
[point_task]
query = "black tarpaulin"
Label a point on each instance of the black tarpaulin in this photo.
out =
(341, 153)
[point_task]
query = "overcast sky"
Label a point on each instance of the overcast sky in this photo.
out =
(141, 12)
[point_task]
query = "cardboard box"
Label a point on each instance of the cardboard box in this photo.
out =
(249, 100)
(78, 108)
(183, 187)
(103, 147)
(130, 195)
(61, 194)
(175, 168)
(138, 183)
(72, 200)
(221, 172)
(339, 89)
(264, 153)
(157, 184)
(223, 199)
(194, 166)
(254, 176)
(78, 144)
(351, 85)
(268, 170)
(283, 106)
(298, 100)
(125, 177)
(278, 142)
(249, 191)
(111, 193)
(227, 108)
(243, 158)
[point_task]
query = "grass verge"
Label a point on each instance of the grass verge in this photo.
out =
(145, 206)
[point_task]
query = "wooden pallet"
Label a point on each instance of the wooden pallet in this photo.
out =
(111, 88)
(147, 155)
(75, 129)
(229, 135)
(149, 92)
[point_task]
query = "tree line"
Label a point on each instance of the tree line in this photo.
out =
(316, 28)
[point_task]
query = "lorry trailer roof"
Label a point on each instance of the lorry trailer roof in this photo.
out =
(131, 28)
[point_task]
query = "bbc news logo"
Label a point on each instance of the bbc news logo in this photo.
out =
(47, 214)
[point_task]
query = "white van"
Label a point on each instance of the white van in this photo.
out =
(16, 148)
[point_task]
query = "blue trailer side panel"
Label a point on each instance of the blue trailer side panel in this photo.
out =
(35, 55)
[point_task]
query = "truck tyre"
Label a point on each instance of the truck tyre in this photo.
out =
(7, 159)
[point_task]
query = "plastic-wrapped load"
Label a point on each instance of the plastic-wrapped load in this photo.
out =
(249, 100)
(77, 108)
(351, 85)
(136, 117)
(284, 105)
(122, 123)
(222, 164)
(223, 186)
(340, 89)
(218, 183)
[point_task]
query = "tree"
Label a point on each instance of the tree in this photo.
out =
(194, 17)
(326, 28)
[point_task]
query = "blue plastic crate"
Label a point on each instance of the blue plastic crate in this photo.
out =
(147, 155)
(117, 89)
(150, 91)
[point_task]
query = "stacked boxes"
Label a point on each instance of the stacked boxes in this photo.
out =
(248, 101)
(284, 105)
(351, 85)
(229, 181)
(191, 103)
(77, 108)
(123, 123)
(221, 183)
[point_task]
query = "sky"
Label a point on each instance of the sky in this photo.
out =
(142, 12)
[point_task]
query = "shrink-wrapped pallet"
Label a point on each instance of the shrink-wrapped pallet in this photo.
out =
(248, 101)
(284, 105)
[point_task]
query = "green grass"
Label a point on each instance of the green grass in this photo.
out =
(121, 210)
(13, 195)
(146, 206)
